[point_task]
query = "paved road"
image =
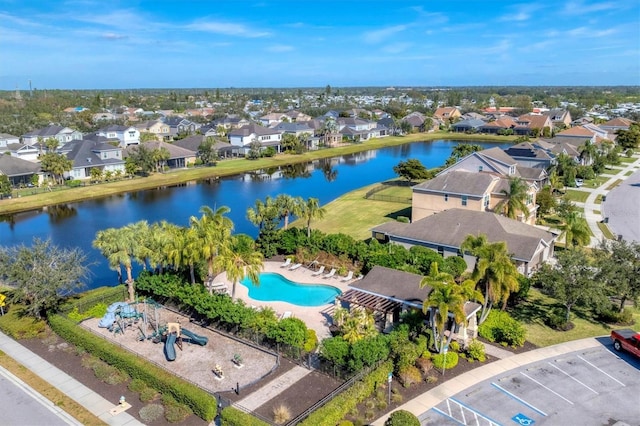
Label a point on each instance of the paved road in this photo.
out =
(21, 405)
(623, 208)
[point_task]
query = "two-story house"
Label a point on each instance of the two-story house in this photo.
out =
(533, 125)
(180, 126)
(447, 114)
(6, 139)
(93, 152)
(159, 129)
(126, 135)
(62, 134)
(243, 137)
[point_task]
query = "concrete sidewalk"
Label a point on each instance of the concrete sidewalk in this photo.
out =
(75, 390)
(430, 399)
(273, 388)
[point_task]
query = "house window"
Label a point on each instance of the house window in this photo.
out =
(486, 201)
(479, 168)
(104, 155)
(464, 200)
(441, 250)
(529, 199)
(132, 134)
(446, 197)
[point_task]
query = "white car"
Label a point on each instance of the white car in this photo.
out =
(579, 183)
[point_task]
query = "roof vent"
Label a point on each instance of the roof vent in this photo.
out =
(88, 159)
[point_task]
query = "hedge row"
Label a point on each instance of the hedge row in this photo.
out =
(202, 404)
(230, 416)
(336, 409)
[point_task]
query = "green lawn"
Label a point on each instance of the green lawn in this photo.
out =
(594, 183)
(627, 159)
(596, 212)
(606, 231)
(614, 184)
(538, 306)
(578, 196)
(629, 173)
(598, 199)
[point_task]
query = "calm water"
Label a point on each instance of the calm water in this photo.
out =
(276, 288)
(76, 224)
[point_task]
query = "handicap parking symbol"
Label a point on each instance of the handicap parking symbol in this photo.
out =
(523, 420)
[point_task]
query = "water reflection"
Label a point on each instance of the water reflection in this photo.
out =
(60, 212)
(329, 172)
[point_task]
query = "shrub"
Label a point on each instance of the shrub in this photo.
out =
(281, 414)
(345, 423)
(20, 327)
(402, 219)
(557, 320)
(233, 417)
(174, 411)
(446, 361)
(145, 393)
(202, 404)
(402, 418)
(454, 346)
(424, 364)
(476, 350)
(431, 379)
(150, 413)
(311, 341)
(409, 375)
(500, 327)
(109, 374)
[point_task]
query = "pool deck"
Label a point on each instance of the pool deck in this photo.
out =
(316, 317)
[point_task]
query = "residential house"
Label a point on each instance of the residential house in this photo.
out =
(157, 128)
(296, 116)
(416, 120)
(447, 114)
(104, 116)
(179, 157)
(388, 293)
(468, 126)
(180, 126)
(6, 139)
(94, 151)
(478, 191)
(273, 118)
(358, 129)
(24, 151)
(533, 125)
(62, 134)
(503, 124)
(231, 122)
(243, 137)
(615, 124)
(126, 135)
(193, 142)
(444, 232)
(20, 172)
(531, 154)
(583, 133)
(560, 118)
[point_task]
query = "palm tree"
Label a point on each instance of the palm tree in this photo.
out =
(287, 206)
(358, 324)
(107, 242)
(494, 271)
(160, 239)
(555, 182)
(240, 259)
(515, 199)
(141, 245)
(212, 231)
(119, 246)
(587, 152)
(575, 229)
(311, 210)
(263, 214)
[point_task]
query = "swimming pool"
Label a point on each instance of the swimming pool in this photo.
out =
(276, 288)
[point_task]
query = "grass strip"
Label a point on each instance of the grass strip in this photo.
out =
(49, 391)
(606, 231)
(614, 184)
(577, 196)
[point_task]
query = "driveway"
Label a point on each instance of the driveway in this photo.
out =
(623, 208)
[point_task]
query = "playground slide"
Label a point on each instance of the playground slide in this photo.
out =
(194, 338)
(169, 347)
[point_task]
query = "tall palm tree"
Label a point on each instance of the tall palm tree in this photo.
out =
(312, 210)
(587, 152)
(555, 182)
(240, 259)
(264, 214)
(160, 240)
(288, 206)
(140, 243)
(515, 199)
(359, 324)
(119, 246)
(494, 271)
(575, 229)
(212, 231)
(107, 242)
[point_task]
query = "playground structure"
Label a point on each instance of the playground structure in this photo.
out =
(122, 315)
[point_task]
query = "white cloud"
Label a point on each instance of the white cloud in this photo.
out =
(225, 28)
(279, 48)
(380, 35)
(114, 36)
(579, 8)
(521, 13)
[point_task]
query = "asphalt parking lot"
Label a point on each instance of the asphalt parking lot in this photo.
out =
(591, 387)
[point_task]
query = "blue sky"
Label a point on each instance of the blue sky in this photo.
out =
(85, 44)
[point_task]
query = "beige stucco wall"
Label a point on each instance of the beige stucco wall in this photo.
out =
(424, 205)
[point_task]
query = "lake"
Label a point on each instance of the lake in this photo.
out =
(76, 224)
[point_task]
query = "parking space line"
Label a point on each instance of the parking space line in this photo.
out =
(571, 377)
(442, 413)
(520, 400)
(602, 371)
(550, 390)
(464, 419)
(482, 416)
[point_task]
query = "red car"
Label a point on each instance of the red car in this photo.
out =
(627, 340)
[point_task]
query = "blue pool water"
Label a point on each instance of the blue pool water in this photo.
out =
(276, 288)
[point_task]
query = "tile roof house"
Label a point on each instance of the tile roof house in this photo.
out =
(619, 123)
(93, 152)
(444, 232)
(499, 125)
(416, 119)
(560, 118)
(19, 171)
(478, 191)
(62, 134)
(532, 125)
(447, 113)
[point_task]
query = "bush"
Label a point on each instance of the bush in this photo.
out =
(424, 364)
(500, 327)
(402, 418)
(145, 393)
(454, 346)
(311, 341)
(281, 414)
(402, 219)
(175, 412)
(476, 350)
(233, 417)
(150, 413)
(557, 319)
(202, 404)
(409, 375)
(446, 361)
(18, 326)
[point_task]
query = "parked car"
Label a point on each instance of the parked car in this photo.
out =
(579, 183)
(627, 340)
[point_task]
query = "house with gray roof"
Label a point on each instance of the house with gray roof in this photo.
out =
(180, 126)
(20, 172)
(444, 232)
(6, 139)
(469, 126)
(179, 157)
(93, 152)
(24, 151)
(243, 137)
(62, 134)
(127, 135)
(530, 154)
(389, 292)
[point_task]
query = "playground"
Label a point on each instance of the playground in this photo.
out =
(211, 360)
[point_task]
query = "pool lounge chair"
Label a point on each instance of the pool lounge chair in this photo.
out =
(286, 263)
(348, 277)
(296, 266)
(330, 274)
(318, 272)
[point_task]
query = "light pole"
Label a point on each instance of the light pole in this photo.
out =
(444, 361)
